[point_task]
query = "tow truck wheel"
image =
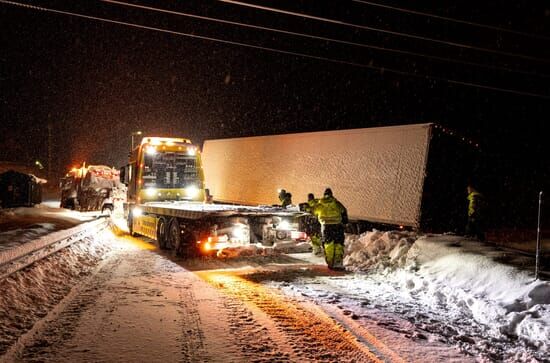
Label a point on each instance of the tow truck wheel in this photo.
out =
(162, 235)
(107, 210)
(180, 240)
(173, 240)
(131, 225)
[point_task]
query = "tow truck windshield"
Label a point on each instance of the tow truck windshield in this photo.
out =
(170, 170)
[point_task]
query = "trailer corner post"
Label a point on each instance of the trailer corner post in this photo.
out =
(537, 263)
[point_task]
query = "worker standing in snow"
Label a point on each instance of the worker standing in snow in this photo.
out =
(285, 198)
(313, 228)
(332, 215)
(476, 214)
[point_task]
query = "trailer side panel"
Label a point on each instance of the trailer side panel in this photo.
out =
(377, 173)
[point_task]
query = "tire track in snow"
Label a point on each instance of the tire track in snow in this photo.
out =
(256, 341)
(135, 306)
(49, 334)
(28, 295)
(192, 339)
(59, 328)
(309, 336)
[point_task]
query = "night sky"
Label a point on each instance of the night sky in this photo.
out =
(95, 82)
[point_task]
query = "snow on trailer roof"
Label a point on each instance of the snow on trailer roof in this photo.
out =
(197, 210)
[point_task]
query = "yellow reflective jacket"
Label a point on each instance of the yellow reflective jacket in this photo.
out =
(476, 204)
(330, 211)
(310, 205)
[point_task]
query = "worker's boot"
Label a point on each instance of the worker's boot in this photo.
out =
(338, 256)
(317, 250)
(329, 254)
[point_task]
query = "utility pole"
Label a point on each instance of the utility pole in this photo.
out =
(49, 150)
(136, 133)
(537, 258)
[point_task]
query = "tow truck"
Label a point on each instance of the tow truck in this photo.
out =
(167, 202)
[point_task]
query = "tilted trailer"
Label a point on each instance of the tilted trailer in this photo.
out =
(411, 176)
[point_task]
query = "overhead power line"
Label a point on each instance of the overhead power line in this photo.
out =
(385, 31)
(338, 61)
(454, 20)
(339, 41)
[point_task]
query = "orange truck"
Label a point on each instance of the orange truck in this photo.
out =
(92, 188)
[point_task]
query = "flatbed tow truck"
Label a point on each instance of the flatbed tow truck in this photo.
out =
(168, 203)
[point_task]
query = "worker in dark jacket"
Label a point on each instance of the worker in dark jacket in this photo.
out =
(285, 198)
(477, 206)
(312, 226)
(332, 215)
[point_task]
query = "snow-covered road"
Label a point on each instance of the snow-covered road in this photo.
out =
(117, 298)
(138, 305)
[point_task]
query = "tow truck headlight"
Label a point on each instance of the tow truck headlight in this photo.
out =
(284, 225)
(192, 191)
(136, 212)
(239, 232)
(151, 150)
(151, 192)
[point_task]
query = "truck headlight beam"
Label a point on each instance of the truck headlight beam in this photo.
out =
(192, 191)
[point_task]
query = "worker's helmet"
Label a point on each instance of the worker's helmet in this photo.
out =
(310, 196)
(328, 192)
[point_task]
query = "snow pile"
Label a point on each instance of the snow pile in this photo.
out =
(28, 295)
(377, 250)
(37, 179)
(502, 297)
(494, 308)
(19, 226)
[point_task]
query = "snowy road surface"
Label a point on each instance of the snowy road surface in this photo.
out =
(117, 298)
(140, 306)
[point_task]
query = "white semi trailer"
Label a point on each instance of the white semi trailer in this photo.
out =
(380, 174)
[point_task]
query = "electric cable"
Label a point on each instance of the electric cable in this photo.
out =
(338, 61)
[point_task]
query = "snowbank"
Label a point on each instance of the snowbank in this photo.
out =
(377, 250)
(28, 295)
(19, 226)
(15, 237)
(459, 281)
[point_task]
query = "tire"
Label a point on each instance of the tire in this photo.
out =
(173, 238)
(161, 234)
(131, 225)
(108, 209)
(180, 241)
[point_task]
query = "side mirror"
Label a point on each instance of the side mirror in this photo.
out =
(208, 198)
(124, 175)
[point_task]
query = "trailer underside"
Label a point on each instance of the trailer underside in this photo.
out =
(190, 228)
